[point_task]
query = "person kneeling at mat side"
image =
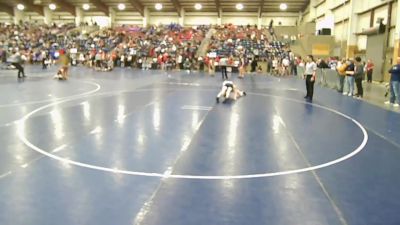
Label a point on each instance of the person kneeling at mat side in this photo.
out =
(229, 87)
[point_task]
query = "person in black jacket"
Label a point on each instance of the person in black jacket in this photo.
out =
(322, 64)
(349, 78)
(358, 77)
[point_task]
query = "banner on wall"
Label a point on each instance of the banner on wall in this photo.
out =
(321, 49)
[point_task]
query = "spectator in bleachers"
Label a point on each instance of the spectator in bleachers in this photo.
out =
(253, 65)
(285, 66)
(247, 40)
(333, 63)
(179, 60)
(275, 66)
(201, 63)
(187, 65)
(269, 65)
(125, 43)
(322, 64)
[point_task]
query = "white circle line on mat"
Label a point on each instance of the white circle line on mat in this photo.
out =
(97, 88)
(22, 137)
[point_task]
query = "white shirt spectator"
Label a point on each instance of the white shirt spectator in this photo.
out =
(274, 63)
(223, 62)
(285, 62)
(255, 51)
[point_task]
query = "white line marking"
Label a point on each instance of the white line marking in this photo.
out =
(314, 173)
(57, 99)
(196, 107)
(150, 104)
(96, 130)
(10, 123)
(58, 149)
(5, 175)
(7, 124)
(149, 203)
(146, 207)
(185, 145)
(188, 141)
(184, 84)
(22, 137)
(121, 118)
(25, 165)
(168, 172)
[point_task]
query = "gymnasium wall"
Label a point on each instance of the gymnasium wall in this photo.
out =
(286, 19)
(5, 18)
(239, 18)
(156, 18)
(200, 18)
(334, 14)
(98, 17)
(62, 17)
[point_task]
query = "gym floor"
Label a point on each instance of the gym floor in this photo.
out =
(146, 147)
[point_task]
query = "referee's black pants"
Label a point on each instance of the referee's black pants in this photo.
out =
(224, 73)
(309, 87)
(20, 69)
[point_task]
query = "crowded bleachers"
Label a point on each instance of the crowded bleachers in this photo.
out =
(154, 47)
(31, 39)
(248, 46)
(146, 48)
(231, 40)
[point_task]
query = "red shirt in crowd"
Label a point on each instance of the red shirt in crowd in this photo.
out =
(370, 66)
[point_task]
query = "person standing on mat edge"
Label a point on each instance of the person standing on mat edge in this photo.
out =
(395, 85)
(222, 64)
(358, 77)
(349, 78)
(370, 69)
(16, 60)
(341, 70)
(310, 76)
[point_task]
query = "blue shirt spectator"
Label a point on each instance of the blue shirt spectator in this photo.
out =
(395, 71)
